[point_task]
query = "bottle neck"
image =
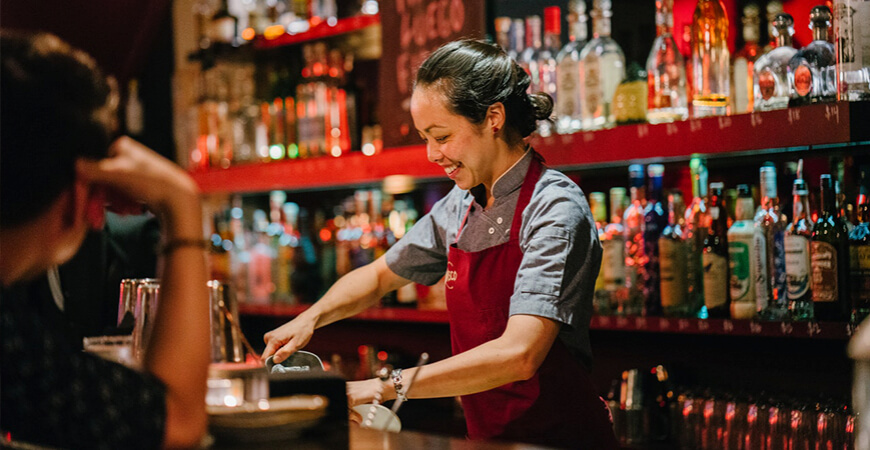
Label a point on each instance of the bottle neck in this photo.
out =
(664, 18)
(533, 35)
(828, 201)
(864, 213)
(577, 31)
(655, 189)
(784, 39)
(744, 209)
(800, 207)
(820, 32)
(601, 23)
(718, 216)
(552, 41)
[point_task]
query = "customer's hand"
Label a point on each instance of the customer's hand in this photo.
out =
(288, 338)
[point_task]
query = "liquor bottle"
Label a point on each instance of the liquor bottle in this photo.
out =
(502, 32)
(773, 9)
(569, 117)
(666, 71)
(517, 39)
(673, 253)
(813, 69)
(859, 251)
(772, 88)
(528, 59)
(598, 207)
(602, 68)
(797, 253)
(853, 48)
(547, 61)
(613, 251)
(655, 219)
(770, 292)
(133, 109)
(630, 97)
(710, 59)
(634, 244)
(744, 250)
(715, 257)
(829, 253)
(742, 92)
(224, 26)
(695, 233)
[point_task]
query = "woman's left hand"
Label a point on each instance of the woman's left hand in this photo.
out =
(365, 391)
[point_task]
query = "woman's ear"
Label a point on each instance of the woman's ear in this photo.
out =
(88, 205)
(496, 118)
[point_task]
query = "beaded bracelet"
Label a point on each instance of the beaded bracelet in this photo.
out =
(397, 384)
(175, 244)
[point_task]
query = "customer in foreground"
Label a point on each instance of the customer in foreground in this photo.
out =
(58, 165)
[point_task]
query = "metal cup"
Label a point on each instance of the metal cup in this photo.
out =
(226, 339)
(127, 300)
(147, 298)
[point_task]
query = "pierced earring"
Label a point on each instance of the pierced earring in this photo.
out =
(495, 129)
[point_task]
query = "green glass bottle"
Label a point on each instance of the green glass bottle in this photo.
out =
(797, 254)
(715, 256)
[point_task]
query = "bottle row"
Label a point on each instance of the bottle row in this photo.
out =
(236, 22)
(593, 88)
(721, 256)
(305, 112)
(288, 254)
(648, 407)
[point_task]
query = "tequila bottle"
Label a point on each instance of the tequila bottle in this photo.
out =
(771, 300)
(598, 208)
(666, 71)
(743, 65)
(529, 59)
(797, 254)
(673, 253)
(569, 104)
(715, 257)
(859, 251)
(772, 85)
(655, 219)
(635, 258)
(853, 48)
(813, 69)
(744, 250)
(695, 233)
(710, 59)
(829, 256)
(613, 251)
(602, 66)
(547, 61)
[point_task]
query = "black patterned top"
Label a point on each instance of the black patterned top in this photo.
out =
(52, 394)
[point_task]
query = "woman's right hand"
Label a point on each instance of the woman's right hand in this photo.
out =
(288, 338)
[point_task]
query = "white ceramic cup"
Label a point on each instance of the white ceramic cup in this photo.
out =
(379, 418)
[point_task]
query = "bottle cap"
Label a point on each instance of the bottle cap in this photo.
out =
(552, 20)
(655, 170)
(743, 190)
(820, 16)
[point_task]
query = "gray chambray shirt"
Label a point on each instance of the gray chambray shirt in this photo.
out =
(558, 238)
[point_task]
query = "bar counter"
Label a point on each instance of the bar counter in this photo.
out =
(367, 439)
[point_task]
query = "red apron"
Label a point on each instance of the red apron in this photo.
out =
(558, 406)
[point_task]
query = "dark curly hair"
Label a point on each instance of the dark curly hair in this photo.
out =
(54, 111)
(473, 75)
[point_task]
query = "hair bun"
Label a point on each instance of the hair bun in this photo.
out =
(542, 105)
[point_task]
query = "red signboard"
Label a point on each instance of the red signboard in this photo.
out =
(411, 29)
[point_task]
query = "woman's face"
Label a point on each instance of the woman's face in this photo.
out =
(463, 149)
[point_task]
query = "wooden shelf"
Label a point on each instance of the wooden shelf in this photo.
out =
(320, 31)
(710, 327)
(774, 131)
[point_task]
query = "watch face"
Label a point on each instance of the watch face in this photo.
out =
(803, 80)
(766, 84)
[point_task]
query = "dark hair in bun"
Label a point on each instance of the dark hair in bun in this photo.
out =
(473, 75)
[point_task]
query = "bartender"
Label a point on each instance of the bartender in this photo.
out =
(517, 246)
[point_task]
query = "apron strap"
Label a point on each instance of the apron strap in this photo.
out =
(532, 176)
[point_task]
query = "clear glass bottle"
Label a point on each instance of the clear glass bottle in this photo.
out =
(711, 60)
(771, 83)
(715, 257)
(771, 300)
(742, 92)
(813, 69)
(859, 251)
(635, 258)
(613, 250)
(829, 256)
(853, 48)
(797, 254)
(655, 219)
(666, 71)
(569, 114)
(773, 9)
(602, 66)
(529, 59)
(695, 232)
(743, 250)
(673, 253)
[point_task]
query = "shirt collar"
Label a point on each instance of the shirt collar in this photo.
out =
(508, 182)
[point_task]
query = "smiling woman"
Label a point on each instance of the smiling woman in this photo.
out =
(520, 253)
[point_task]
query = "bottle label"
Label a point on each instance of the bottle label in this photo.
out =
(742, 82)
(766, 83)
(568, 100)
(824, 268)
(672, 267)
(803, 79)
(592, 84)
(613, 263)
(860, 275)
(759, 261)
(797, 266)
(715, 280)
(853, 44)
(739, 265)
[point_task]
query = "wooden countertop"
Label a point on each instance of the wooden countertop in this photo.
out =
(367, 439)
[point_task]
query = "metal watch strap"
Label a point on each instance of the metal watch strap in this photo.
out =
(396, 375)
